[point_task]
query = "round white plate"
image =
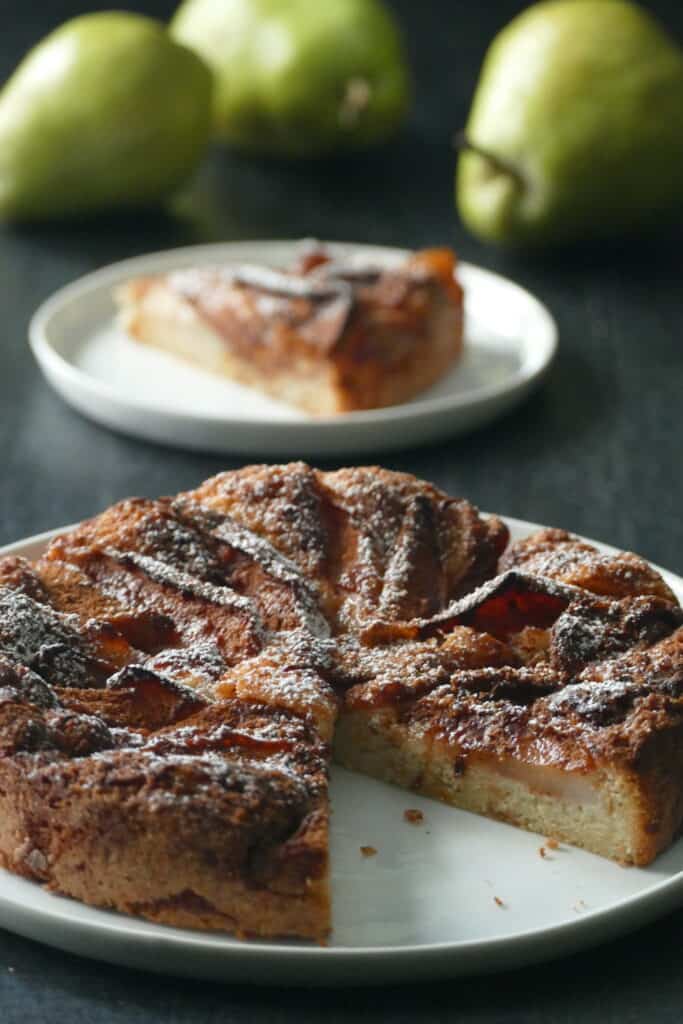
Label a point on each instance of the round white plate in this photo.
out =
(424, 907)
(510, 341)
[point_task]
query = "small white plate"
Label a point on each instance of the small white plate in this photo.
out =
(510, 341)
(423, 907)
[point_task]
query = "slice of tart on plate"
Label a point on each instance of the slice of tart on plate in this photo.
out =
(327, 336)
(219, 363)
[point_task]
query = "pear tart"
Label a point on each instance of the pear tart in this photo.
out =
(175, 675)
(324, 336)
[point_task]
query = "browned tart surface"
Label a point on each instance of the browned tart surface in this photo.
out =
(173, 673)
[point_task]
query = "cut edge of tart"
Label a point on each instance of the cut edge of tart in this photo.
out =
(628, 811)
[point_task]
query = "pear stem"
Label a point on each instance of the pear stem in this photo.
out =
(462, 143)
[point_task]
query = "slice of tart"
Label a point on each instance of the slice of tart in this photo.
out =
(127, 780)
(327, 337)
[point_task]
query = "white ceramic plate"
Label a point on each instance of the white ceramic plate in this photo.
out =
(510, 341)
(424, 907)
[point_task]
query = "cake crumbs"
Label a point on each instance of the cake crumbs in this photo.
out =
(499, 902)
(548, 844)
(368, 851)
(413, 816)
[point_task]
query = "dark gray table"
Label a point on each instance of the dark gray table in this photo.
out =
(596, 451)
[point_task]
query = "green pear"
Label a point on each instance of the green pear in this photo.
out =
(576, 129)
(107, 111)
(299, 78)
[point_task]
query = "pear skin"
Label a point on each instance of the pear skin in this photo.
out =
(299, 78)
(576, 127)
(106, 112)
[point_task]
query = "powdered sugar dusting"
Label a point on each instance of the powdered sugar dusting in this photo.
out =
(50, 643)
(593, 700)
(198, 664)
(274, 564)
(169, 576)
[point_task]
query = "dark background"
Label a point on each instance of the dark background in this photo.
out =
(597, 450)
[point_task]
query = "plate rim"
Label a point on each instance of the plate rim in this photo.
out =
(50, 359)
(452, 958)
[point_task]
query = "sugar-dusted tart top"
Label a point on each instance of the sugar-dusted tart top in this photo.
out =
(172, 672)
